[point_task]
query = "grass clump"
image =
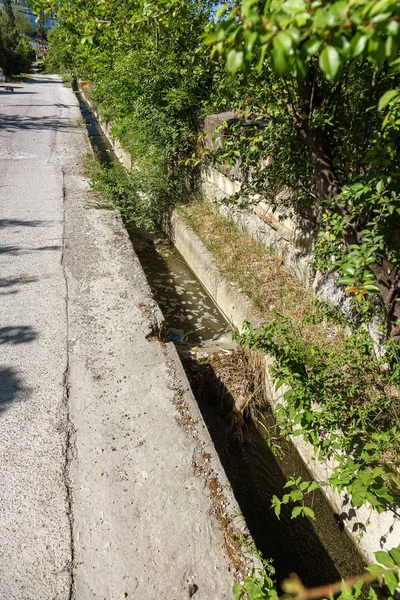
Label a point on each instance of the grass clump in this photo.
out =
(260, 274)
(127, 191)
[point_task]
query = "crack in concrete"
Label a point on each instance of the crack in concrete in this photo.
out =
(69, 429)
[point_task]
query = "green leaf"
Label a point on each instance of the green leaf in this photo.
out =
(393, 28)
(238, 591)
(260, 61)
(376, 50)
(277, 508)
(372, 594)
(358, 498)
(234, 61)
(296, 495)
(390, 46)
(287, 395)
(222, 10)
(253, 589)
(380, 7)
(291, 7)
(371, 289)
(330, 62)
(314, 485)
(358, 44)
(386, 98)
(373, 500)
(279, 61)
(378, 470)
(308, 512)
(392, 581)
(367, 474)
(311, 46)
(384, 559)
(283, 42)
(300, 68)
(395, 554)
(375, 570)
(289, 483)
(251, 39)
(296, 511)
(349, 270)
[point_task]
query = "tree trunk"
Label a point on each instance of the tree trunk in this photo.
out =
(327, 184)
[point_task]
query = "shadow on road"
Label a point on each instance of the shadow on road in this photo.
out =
(3, 93)
(11, 285)
(13, 250)
(12, 123)
(11, 387)
(16, 250)
(18, 334)
(19, 223)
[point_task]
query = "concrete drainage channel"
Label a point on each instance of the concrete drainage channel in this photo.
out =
(202, 337)
(192, 320)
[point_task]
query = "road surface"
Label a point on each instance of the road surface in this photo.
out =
(98, 498)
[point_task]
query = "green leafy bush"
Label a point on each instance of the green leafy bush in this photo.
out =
(126, 192)
(259, 585)
(342, 399)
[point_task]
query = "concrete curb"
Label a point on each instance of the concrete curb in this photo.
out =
(123, 156)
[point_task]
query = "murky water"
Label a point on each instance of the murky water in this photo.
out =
(192, 318)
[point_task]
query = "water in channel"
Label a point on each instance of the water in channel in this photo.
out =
(192, 320)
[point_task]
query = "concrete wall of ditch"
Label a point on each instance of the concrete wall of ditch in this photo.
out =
(123, 156)
(291, 238)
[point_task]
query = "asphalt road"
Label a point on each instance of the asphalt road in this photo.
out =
(34, 521)
(98, 495)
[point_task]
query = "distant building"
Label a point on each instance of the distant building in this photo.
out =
(48, 22)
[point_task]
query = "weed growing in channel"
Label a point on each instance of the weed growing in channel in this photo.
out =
(259, 585)
(342, 399)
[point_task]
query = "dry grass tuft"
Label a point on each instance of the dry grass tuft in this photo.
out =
(258, 273)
